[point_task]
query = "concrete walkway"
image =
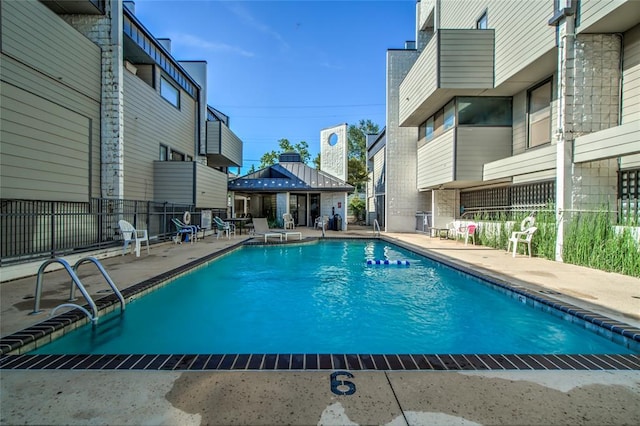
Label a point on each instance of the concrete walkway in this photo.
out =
(305, 397)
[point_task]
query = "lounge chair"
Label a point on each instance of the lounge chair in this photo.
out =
(521, 237)
(224, 227)
(191, 231)
(288, 221)
(261, 227)
(131, 234)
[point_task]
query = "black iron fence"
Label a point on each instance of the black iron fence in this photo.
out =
(38, 229)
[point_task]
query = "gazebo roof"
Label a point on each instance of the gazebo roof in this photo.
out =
(288, 176)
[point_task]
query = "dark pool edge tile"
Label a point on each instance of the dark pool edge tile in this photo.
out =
(320, 362)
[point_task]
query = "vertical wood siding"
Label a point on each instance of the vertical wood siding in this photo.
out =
(436, 161)
(476, 146)
(631, 76)
(149, 121)
(55, 49)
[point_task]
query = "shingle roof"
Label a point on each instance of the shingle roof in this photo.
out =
(289, 176)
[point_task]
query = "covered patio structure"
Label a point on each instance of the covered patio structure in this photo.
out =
(291, 186)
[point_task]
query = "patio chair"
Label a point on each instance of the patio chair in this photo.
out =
(223, 227)
(189, 231)
(521, 237)
(131, 234)
(261, 227)
(322, 222)
(470, 231)
(288, 221)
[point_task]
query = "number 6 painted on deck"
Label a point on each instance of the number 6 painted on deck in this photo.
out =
(337, 385)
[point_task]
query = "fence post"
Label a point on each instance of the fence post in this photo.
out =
(53, 229)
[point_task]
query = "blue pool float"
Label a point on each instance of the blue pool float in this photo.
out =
(388, 262)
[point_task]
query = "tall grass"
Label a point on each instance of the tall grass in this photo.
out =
(592, 241)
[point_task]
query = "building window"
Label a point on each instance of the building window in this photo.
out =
(539, 115)
(189, 158)
(164, 151)
(482, 22)
(429, 130)
(177, 156)
(484, 111)
(629, 197)
(449, 115)
(169, 92)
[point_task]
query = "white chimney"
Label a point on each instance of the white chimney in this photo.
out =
(130, 5)
(166, 43)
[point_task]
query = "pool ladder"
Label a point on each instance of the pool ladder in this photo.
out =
(75, 282)
(376, 228)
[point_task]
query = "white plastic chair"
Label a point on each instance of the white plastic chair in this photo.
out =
(288, 221)
(521, 237)
(321, 222)
(131, 234)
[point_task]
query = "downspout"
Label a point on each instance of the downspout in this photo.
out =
(564, 133)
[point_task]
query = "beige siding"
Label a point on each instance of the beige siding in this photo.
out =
(149, 121)
(531, 161)
(476, 146)
(466, 59)
(630, 162)
(231, 146)
(48, 49)
(211, 187)
(378, 172)
(420, 82)
(591, 11)
(631, 76)
(435, 161)
(610, 143)
(45, 148)
(519, 123)
(173, 181)
(522, 32)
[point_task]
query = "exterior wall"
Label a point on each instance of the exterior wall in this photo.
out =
(198, 71)
(49, 105)
(522, 32)
(334, 159)
(149, 122)
(631, 76)
(173, 181)
(476, 146)
(595, 185)
(421, 81)
(444, 206)
(402, 199)
(630, 162)
(532, 161)
(106, 32)
(436, 161)
(223, 144)
(466, 59)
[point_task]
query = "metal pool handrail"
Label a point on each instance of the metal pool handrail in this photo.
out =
(106, 276)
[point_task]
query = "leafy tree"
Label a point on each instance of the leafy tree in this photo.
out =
(316, 161)
(271, 158)
(357, 139)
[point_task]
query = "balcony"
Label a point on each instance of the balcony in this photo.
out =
(426, 12)
(224, 148)
(81, 7)
(534, 164)
(456, 62)
(456, 158)
(189, 182)
(614, 142)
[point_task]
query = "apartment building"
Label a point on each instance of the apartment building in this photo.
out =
(502, 104)
(95, 107)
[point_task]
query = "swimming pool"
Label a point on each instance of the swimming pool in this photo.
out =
(324, 298)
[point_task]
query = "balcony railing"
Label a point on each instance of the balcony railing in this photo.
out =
(224, 148)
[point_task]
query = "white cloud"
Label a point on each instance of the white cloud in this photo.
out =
(244, 15)
(199, 43)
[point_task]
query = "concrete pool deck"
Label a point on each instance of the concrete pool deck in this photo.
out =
(305, 397)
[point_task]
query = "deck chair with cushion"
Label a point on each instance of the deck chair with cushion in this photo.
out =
(223, 227)
(189, 231)
(132, 235)
(521, 237)
(261, 227)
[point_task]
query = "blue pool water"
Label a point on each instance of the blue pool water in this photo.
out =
(324, 298)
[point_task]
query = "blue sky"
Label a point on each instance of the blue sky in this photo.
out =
(286, 69)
